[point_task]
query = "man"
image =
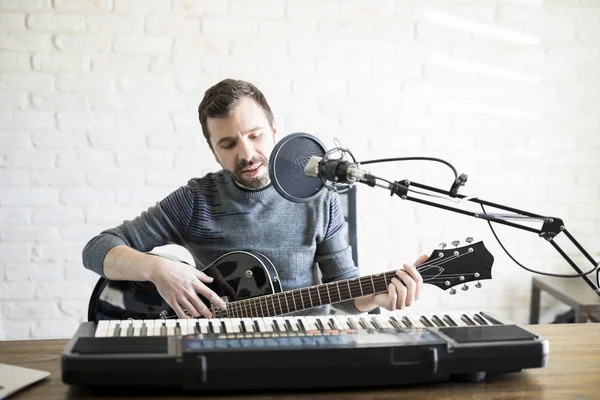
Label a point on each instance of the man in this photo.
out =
(238, 209)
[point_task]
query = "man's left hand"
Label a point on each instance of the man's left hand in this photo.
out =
(403, 290)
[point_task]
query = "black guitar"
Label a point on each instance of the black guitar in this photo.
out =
(249, 284)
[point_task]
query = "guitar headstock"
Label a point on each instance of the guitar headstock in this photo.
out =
(449, 267)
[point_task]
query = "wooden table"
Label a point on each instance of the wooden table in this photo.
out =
(573, 292)
(573, 371)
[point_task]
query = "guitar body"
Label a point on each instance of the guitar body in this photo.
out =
(238, 275)
(241, 275)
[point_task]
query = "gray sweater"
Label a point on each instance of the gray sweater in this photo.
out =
(211, 216)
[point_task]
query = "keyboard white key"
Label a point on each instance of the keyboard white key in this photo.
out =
(413, 319)
(476, 320)
(469, 317)
(338, 324)
(279, 324)
(187, 327)
(354, 323)
(248, 324)
(149, 328)
(102, 328)
(158, 331)
(232, 325)
(203, 324)
(342, 321)
(262, 325)
(382, 322)
(310, 324)
(481, 319)
(436, 320)
(170, 323)
(292, 324)
(112, 327)
(216, 325)
(124, 326)
(456, 318)
(182, 324)
(325, 323)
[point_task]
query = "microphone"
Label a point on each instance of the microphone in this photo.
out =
(335, 170)
(300, 169)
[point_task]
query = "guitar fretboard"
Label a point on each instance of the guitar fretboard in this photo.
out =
(310, 297)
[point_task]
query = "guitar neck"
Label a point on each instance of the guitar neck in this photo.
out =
(310, 297)
(445, 268)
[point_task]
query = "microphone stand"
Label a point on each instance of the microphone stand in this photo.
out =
(551, 226)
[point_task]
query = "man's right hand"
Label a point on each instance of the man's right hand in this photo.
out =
(180, 285)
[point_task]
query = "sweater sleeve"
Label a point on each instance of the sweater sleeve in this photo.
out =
(164, 223)
(334, 254)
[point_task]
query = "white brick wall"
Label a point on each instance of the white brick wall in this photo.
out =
(97, 122)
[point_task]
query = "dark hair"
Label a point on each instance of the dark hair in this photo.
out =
(220, 100)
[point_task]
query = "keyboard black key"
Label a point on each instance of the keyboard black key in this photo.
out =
(426, 322)
(362, 323)
(436, 320)
(480, 320)
(352, 324)
(407, 322)
(117, 331)
(449, 321)
(491, 319)
(320, 325)
(376, 324)
(288, 325)
(302, 326)
(365, 324)
(395, 323)
(467, 320)
(332, 323)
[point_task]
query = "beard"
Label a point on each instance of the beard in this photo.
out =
(256, 182)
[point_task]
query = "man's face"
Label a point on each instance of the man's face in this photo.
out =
(242, 143)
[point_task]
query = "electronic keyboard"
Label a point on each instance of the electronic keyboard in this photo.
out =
(225, 354)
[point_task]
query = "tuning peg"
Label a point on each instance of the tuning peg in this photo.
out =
(469, 240)
(455, 243)
(465, 287)
(452, 291)
(478, 285)
(443, 245)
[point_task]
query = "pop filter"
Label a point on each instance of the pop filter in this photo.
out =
(286, 167)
